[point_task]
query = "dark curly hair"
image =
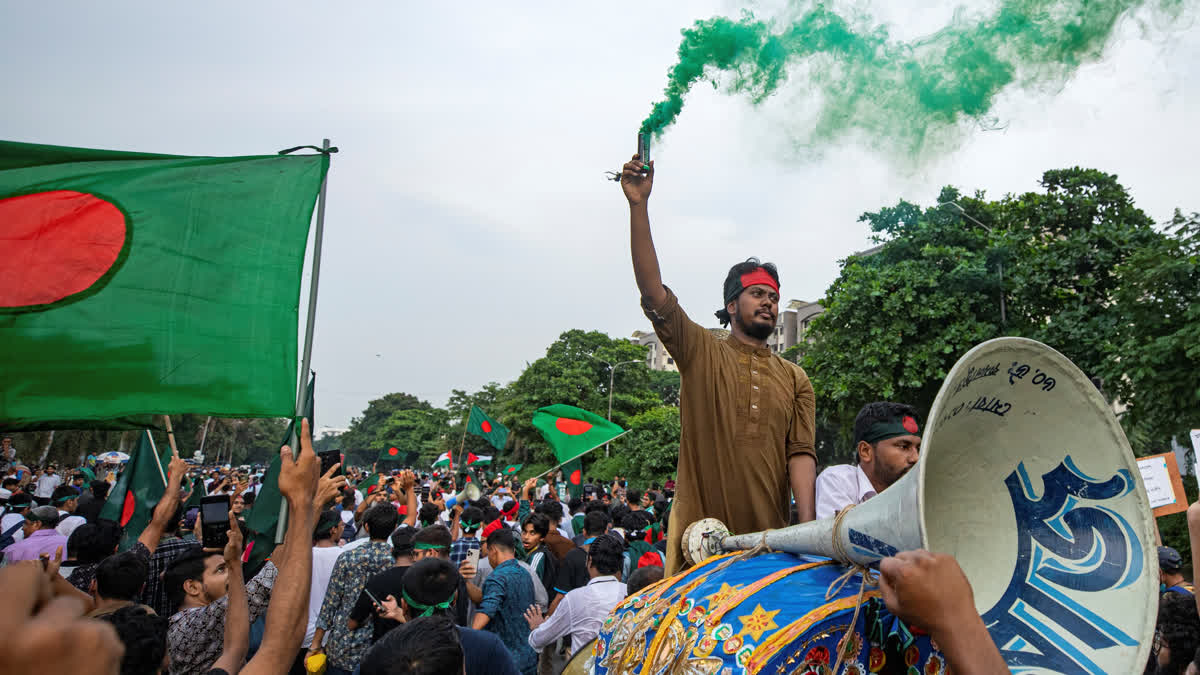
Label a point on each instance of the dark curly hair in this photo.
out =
(1179, 626)
(144, 636)
(733, 284)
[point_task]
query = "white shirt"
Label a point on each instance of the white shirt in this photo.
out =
(841, 486)
(8, 521)
(46, 484)
(580, 614)
(322, 568)
(68, 524)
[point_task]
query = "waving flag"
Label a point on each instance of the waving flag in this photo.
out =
(572, 432)
(134, 284)
(481, 425)
(137, 491)
(442, 461)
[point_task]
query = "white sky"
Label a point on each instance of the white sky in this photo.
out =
(468, 221)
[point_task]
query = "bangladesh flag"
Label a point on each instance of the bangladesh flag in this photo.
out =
(135, 284)
(481, 425)
(572, 432)
(573, 470)
(264, 517)
(198, 492)
(512, 469)
(139, 487)
(390, 455)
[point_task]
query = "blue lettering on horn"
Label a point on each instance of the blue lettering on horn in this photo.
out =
(1064, 544)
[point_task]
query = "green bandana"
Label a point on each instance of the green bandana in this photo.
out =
(468, 525)
(426, 546)
(881, 431)
(428, 610)
(65, 499)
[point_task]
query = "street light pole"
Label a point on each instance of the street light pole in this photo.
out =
(999, 263)
(612, 374)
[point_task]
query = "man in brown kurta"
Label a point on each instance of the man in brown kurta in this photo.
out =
(747, 414)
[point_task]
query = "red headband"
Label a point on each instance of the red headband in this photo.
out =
(757, 277)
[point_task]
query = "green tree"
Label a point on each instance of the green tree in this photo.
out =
(573, 372)
(421, 429)
(652, 450)
(1154, 362)
(361, 443)
(896, 319)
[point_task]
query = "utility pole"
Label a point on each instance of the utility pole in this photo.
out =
(612, 374)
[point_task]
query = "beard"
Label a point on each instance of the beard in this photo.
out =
(759, 330)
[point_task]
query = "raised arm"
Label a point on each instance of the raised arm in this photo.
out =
(166, 507)
(237, 613)
(645, 261)
(409, 482)
(287, 615)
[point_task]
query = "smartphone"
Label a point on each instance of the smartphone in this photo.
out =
(473, 557)
(424, 493)
(378, 604)
(328, 459)
(214, 518)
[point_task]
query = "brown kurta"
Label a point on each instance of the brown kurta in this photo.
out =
(744, 411)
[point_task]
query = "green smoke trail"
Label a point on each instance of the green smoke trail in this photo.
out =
(902, 94)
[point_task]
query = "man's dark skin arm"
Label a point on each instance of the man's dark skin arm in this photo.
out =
(929, 590)
(802, 476)
(645, 261)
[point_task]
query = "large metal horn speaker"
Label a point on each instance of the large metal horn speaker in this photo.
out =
(1027, 479)
(469, 493)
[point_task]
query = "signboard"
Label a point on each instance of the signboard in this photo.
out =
(1196, 448)
(1160, 474)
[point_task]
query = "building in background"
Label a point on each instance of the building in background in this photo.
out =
(790, 328)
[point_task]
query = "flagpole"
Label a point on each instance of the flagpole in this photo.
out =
(157, 461)
(204, 435)
(306, 359)
(170, 436)
(461, 444)
(580, 455)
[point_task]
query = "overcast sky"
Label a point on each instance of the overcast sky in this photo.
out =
(468, 220)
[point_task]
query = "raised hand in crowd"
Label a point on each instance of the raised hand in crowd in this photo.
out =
(287, 615)
(237, 614)
(930, 591)
(43, 628)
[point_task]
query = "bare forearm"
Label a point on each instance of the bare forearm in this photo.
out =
(237, 624)
(287, 614)
(410, 518)
(481, 621)
(645, 260)
(969, 648)
(475, 593)
(802, 476)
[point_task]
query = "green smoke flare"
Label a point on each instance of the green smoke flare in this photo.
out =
(902, 94)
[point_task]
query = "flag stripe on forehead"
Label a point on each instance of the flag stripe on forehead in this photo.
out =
(759, 276)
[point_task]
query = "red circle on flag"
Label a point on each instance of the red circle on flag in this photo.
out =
(127, 509)
(572, 427)
(393, 451)
(910, 425)
(575, 477)
(57, 244)
(486, 426)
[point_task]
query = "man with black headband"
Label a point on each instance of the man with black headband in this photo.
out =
(886, 445)
(747, 415)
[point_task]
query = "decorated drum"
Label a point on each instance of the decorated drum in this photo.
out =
(762, 614)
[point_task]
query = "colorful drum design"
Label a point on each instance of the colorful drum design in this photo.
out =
(763, 614)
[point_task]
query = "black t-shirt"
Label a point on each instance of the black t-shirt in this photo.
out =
(387, 582)
(572, 571)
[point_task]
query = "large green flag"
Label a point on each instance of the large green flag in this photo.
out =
(480, 424)
(133, 284)
(572, 432)
(139, 487)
